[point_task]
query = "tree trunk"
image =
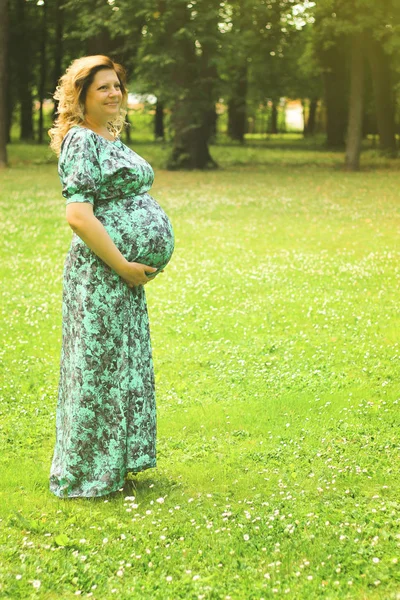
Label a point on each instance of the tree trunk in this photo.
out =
(24, 73)
(273, 123)
(159, 121)
(43, 69)
(192, 122)
(356, 101)
(309, 128)
(10, 108)
(3, 82)
(191, 137)
(26, 99)
(305, 116)
(383, 92)
(237, 105)
(212, 118)
(195, 90)
(100, 43)
(334, 61)
(58, 49)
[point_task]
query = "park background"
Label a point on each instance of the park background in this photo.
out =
(275, 327)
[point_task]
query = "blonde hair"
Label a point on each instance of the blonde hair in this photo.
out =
(71, 95)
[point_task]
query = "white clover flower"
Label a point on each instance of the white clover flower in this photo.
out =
(160, 500)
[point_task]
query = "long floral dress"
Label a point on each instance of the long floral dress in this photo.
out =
(106, 410)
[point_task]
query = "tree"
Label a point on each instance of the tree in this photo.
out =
(377, 22)
(239, 40)
(179, 51)
(279, 43)
(332, 49)
(3, 81)
(24, 48)
(159, 120)
(58, 47)
(43, 68)
(302, 77)
(380, 64)
(32, 32)
(354, 134)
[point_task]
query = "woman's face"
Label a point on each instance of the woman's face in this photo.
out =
(103, 97)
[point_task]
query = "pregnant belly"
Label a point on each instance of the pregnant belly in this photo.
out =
(140, 229)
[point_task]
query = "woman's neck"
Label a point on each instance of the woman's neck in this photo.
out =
(100, 128)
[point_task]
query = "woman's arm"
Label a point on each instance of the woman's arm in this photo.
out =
(83, 222)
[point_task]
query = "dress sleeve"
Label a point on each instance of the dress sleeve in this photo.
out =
(79, 167)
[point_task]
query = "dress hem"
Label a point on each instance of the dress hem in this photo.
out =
(128, 470)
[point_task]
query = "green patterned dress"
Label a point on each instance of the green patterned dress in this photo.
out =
(106, 410)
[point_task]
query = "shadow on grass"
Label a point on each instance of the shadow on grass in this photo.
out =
(278, 151)
(154, 486)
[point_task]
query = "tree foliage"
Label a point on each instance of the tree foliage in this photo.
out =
(190, 53)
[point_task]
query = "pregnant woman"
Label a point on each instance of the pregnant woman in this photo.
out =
(106, 411)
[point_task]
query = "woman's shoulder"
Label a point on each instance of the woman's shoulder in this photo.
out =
(77, 132)
(78, 139)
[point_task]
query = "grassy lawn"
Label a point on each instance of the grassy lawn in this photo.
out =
(276, 346)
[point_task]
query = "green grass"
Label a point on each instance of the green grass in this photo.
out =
(275, 332)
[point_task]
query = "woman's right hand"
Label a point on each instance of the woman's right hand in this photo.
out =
(91, 231)
(135, 273)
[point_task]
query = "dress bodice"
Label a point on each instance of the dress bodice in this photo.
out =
(116, 180)
(97, 170)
